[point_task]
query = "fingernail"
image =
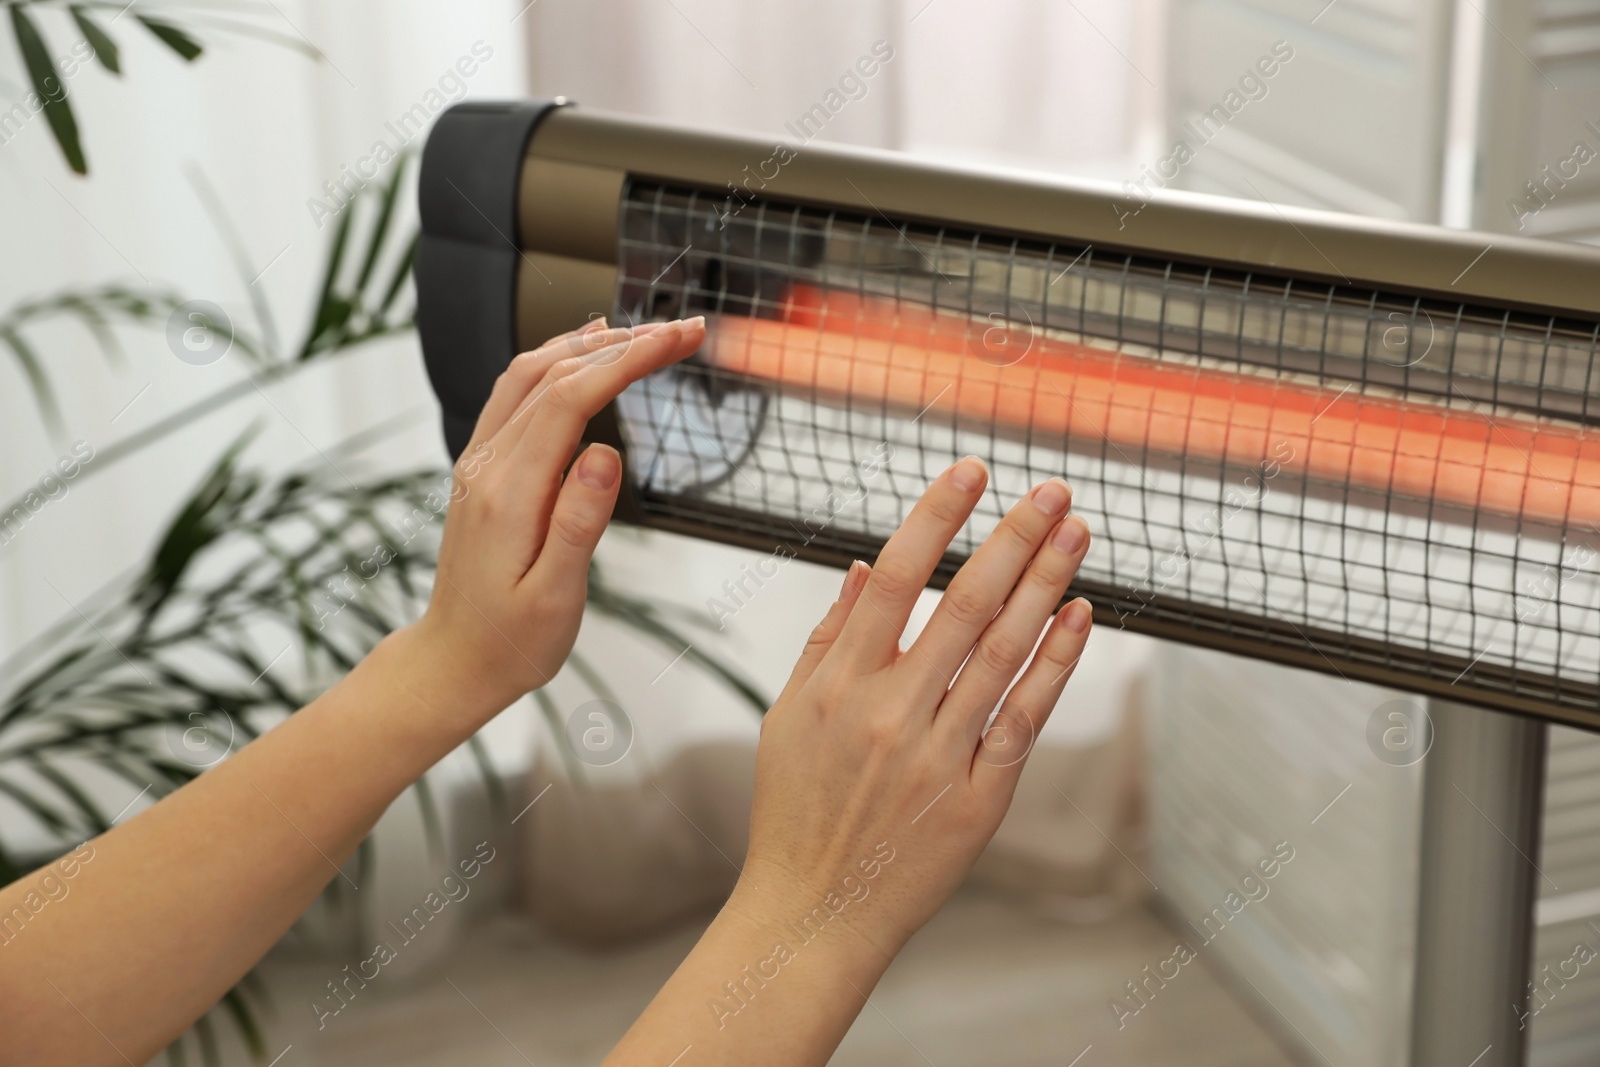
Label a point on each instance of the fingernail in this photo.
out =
(968, 475)
(597, 323)
(695, 323)
(1070, 536)
(1052, 497)
(599, 466)
(1076, 615)
(853, 577)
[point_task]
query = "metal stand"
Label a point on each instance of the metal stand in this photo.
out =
(1483, 794)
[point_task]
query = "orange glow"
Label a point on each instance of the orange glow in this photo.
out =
(840, 348)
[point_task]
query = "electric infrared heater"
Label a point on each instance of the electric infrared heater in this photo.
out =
(1361, 448)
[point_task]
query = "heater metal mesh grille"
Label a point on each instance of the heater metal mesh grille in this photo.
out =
(1320, 473)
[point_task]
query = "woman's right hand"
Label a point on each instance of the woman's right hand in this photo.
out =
(879, 775)
(879, 779)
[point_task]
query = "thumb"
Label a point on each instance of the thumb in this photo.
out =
(582, 509)
(828, 630)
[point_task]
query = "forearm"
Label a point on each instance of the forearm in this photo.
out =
(768, 983)
(167, 911)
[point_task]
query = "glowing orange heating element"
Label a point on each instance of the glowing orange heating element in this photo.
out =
(842, 348)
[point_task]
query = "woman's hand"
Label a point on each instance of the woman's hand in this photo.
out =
(879, 778)
(877, 782)
(514, 563)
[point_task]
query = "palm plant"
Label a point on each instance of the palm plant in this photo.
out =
(225, 629)
(94, 21)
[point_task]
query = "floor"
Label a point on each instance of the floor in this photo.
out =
(985, 983)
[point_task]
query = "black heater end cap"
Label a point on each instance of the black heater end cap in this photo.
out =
(467, 253)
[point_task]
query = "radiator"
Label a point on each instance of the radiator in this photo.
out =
(1350, 446)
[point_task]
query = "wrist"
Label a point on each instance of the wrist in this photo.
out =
(847, 920)
(762, 985)
(450, 694)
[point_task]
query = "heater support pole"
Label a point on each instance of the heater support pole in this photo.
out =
(1483, 793)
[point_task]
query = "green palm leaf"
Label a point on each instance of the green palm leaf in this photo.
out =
(172, 37)
(52, 91)
(100, 311)
(105, 49)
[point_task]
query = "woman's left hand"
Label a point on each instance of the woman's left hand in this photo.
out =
(514, 563)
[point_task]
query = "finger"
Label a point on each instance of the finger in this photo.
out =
(1029, 704)
(592, 379)
(594, 387)
(827, 631)
(582, 509)
(556, 361)
(524, 373)
(986, 580)
(902, 570)
(1006, 642)
(532, 475)
(525, 370)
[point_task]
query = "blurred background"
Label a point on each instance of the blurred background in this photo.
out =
(204, 289)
